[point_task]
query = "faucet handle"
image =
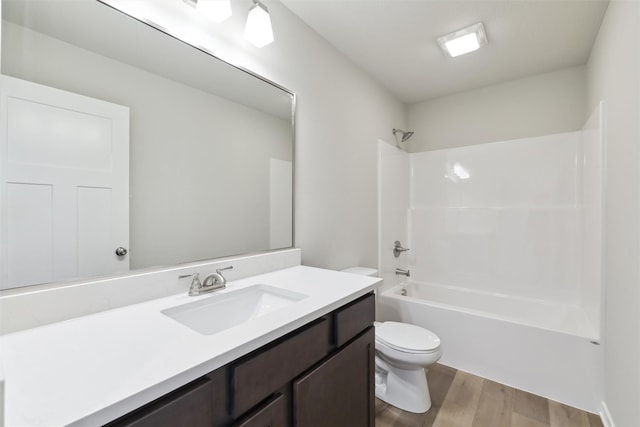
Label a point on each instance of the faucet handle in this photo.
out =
(398, 249)
(222, 280)
(220, 270)
(196, 276)
(196, 285)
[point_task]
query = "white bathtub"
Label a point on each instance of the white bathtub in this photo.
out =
(546, 349)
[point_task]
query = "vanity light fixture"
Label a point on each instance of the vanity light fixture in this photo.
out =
(215, 10)
(463, 41)
(258, 29)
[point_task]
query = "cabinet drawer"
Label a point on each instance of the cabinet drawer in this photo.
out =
(189, 406)
(354, 318)
(260, 375)
(271, 414)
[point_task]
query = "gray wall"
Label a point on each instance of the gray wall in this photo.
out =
(543, 104)
(613, 76)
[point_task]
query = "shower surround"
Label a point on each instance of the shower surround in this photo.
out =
(505, 259)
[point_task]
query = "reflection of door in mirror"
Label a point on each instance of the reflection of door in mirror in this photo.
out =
(280, 203)
(65, 181)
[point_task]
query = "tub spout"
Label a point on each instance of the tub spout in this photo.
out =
(403, 272)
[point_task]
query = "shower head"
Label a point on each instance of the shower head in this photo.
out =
(405, 135)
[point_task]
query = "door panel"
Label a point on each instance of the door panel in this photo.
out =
(45, 134)
(280, 200)
(30, 215)
(95, 228)
(78, 148)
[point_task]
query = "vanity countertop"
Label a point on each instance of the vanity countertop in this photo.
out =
(93, 369)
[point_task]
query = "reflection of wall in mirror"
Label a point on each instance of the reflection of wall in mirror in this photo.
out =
(200, 164)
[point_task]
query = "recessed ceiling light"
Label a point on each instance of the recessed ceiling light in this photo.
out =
(463, 41)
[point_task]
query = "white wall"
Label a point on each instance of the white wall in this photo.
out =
(342, 112)
(539, 105)
(500, 218)
(613, 76)
(591, 177)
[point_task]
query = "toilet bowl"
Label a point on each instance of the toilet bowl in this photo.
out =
(402, 352)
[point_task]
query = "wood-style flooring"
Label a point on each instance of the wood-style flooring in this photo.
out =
(459, 399)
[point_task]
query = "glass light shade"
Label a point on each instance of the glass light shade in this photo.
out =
(216, 10)
(258, 30)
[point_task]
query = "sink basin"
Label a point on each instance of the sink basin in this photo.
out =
(219, 312)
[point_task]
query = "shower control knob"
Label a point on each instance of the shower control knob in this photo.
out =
(121, 251)
(398, 249)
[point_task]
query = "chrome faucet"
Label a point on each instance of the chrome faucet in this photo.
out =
(215, 280)
(212, 282)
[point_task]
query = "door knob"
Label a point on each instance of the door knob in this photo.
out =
(121, 251)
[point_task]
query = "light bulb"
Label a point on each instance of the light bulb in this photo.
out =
(258, 30)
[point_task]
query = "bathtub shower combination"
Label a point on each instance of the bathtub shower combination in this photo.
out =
(505, 257)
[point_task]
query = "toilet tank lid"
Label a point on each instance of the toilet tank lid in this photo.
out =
(404, 336)
(363, 271)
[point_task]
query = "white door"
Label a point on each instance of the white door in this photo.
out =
(64, 205)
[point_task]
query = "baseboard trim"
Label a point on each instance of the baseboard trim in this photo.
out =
(605, 416)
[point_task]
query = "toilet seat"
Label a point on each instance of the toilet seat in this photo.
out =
(407, 338)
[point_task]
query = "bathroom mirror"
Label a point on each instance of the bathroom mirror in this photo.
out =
(207, 162)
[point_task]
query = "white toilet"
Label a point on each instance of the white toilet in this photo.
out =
(403, 351)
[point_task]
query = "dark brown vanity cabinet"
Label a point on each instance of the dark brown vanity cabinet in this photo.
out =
(332, 394)
(321, 374)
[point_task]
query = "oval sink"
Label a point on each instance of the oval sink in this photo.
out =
(219, 312)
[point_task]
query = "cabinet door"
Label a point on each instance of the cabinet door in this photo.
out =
(340, 391)
(271, 414)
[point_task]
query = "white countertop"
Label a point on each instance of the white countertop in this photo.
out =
(93, 369)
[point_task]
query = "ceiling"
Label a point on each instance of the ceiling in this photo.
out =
(395, 40)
